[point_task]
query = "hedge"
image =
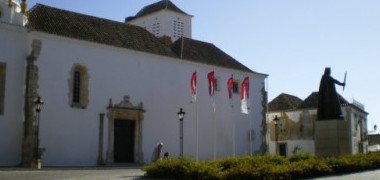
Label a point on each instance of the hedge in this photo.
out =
(266, 167)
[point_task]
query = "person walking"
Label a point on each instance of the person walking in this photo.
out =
(157, 152)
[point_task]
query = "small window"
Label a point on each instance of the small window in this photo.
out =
(235, 87)
(78, 84)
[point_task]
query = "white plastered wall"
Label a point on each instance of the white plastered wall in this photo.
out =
(70, 135)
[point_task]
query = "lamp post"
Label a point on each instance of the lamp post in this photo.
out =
(181, 115)
(276, 121)
(37, 154)
(375, 128)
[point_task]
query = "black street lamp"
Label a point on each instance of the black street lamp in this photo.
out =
(37, 154)
(276, 121)
(181, 115)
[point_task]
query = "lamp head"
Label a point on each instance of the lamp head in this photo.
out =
(181, 114)
(276, 119)
(38, 104)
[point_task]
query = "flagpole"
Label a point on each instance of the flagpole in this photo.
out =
(193, 87)
(244, 96)
(230, 97)
(197, 127)
(250, 135)
(211, 90)
(233, 129)
(250, 125)
(215, 138)
(197, 131)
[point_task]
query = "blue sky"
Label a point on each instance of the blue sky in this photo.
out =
(291, 40)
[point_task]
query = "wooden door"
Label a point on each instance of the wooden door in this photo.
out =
(124, 141)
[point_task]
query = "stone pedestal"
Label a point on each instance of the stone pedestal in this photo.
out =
(331, 138)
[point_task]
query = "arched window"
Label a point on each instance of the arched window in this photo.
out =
(78, 84)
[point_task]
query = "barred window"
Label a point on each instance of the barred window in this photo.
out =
(76, 87)
(78, 84)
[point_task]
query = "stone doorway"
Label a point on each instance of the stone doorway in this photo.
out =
(125, 132)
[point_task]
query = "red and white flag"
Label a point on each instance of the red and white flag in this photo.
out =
(193, 86)
(244, 95)
(211, 83)
(230, 83)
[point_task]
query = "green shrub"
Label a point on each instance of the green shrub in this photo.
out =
(267, 167)
(205, 171)
(375, 159)
(309, 168)
(301, 157)
(227, 163)
(169, 168)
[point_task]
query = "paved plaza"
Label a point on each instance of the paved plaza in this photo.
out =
(72, 174)
(365, 175)
(126, 174)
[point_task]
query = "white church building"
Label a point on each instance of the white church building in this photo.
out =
(112, 90)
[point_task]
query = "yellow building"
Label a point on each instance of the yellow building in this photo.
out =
(294, 129)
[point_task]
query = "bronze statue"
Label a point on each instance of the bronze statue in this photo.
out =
(328, 101)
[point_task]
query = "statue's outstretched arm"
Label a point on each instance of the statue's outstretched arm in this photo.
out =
(339, 83)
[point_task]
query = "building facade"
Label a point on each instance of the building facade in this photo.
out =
(295, 130)
(373, 142)
(112, 91)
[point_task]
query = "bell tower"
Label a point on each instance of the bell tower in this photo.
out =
(163, 19)
(11, 12)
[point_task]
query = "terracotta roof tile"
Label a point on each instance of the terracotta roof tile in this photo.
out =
(284, 102)
(78, 26)
(74, 25)
(204, 52)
